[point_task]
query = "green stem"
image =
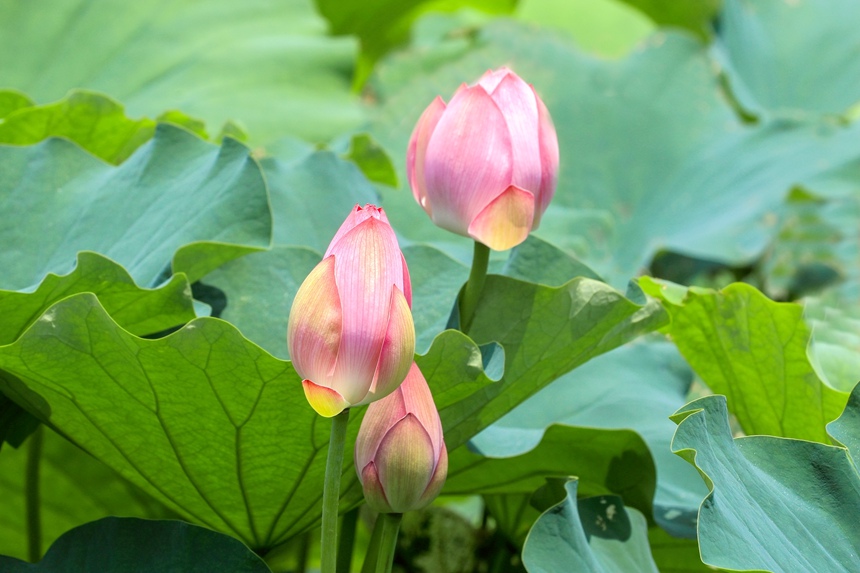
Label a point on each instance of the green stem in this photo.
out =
(387, 541)
(34, 516)
(474, 286)
(331, 492)
(346, 541)
(372, 554)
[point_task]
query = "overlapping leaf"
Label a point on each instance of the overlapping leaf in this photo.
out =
(637, 386)
(141, 546)
(266, 63)
(593, 535)
(652, 156)
(93, 121)
(775, 504)
(754, 351)
(176, 194)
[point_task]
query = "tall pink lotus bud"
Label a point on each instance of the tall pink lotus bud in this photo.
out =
(350, 333)
(400, 455)
(485, 165)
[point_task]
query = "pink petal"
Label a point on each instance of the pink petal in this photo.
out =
(549, 160)
(379, 418)
(398, 350)
(373, 490)
(314, 328)
(507, 221)
(418, 400)
(468, 160)
(417, 149)
(406, 463)
(492, 78)
(518, 103)
(357, 216)
(407, 281)
(326, 401)
(368, 264)
(437, 481)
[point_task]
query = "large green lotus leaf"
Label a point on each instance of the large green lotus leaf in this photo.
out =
(203, 420)
(606, 27)
(775, 504)
(218, 430)
(92, 120)
(754, 351)
(176, 193)
(637, 386)
(792, 59)
(652, 155)
(604, 461)
(130, 545)
(95, 122)
(140, 311)
(593, 535)
(382, 25)
(75, 489)
(264, 63)
(545, 332)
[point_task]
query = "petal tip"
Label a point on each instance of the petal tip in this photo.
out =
(327, 402)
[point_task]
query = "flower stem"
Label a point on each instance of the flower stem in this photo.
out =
(474, 286)
(331, 492)
(372, 554)
(346, 541)
(34, 516)
(387, 541)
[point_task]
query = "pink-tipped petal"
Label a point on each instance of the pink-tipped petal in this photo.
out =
(398, 350)
(313, 331)
(368, 264)
(374, 493)
(418, 148)
(468, 160)
(357, 216)
(506, 221)
(406, 463)
(492, 78)
(380, 416)
(518, 102)
(437, 481)
(418, 400)
(548, 141)
(326, 401)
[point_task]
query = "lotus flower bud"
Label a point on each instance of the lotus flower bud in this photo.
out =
(350, 332)
(400, 456)
(485, 165)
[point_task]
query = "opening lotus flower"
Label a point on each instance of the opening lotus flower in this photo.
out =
(400, 455)
(485, 165)
(350, 332)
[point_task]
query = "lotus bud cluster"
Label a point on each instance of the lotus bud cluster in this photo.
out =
(350, 332)
(485, 165)
(400, 455)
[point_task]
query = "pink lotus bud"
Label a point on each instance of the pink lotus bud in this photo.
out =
(350, 332)
(485, 165)
(400, 456)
